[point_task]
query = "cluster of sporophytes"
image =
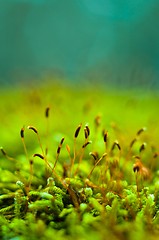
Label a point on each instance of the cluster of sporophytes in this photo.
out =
(83, 190)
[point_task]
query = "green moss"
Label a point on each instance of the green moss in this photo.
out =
(65, 188)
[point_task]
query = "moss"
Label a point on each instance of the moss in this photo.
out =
(80, 180)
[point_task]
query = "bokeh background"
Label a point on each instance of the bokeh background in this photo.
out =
(112, 41)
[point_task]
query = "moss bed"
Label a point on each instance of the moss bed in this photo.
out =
(78, 164)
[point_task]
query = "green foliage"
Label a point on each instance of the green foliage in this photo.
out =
(83, 181)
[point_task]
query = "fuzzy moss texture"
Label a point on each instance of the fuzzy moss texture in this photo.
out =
(78, 164)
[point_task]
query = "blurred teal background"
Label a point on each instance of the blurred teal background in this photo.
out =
(112, 41)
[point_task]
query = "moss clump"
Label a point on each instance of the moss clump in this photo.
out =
(84, 187)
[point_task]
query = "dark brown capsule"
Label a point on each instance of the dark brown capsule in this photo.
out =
(88, 130)
(155, 155)
(31, 162)
(86, 133)
(137, 157)
(38, 155)
(77, 131)
(3, 152)
(94, 155)
(140, 131)
(117, 144)
(136, 168)
(62, 140)
(47, 112)
(60, 145)
(33, 128)
(84, 145)
(143, 146)
(132, 142)
(22, 132)
(58, 149)
(105, 136)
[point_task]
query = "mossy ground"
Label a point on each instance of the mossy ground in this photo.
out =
(105, 185)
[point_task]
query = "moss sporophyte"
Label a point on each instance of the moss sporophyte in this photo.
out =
(81, 190)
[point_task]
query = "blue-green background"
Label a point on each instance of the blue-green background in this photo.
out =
(114, 41)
